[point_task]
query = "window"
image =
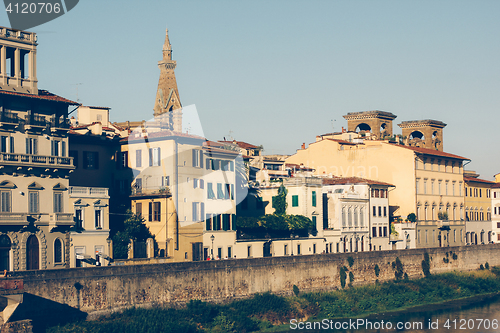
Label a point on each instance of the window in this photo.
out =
(249, 251)
(432, 186)
(122, 160)
(208, 222)
(195, 183)
(58, 251)
(229, 252)
(55, 147)
(31, 146)
(210, 191)
(314, 220)
(195, 211)
(285, 250)
(380, 233)
(33, 202)
(58, 202)
(227, 193)
(79, 218)
(220, 191)
(385, 211)
(98, 219)
(298, 249)
(314, 198)
(374, 211)
(157, 211)
(90, 160)
(349, 217)
(165, 181)
(343, 217)
(295, 201)
(446, 188)
(226, 222)
(138, 208)
(356, 216)
(374, 231)
(385, 231)
(6, 202)
(202, 184)
(361, 217)
(195, 157)
(425, 186)
(138, 158)
(379, 211)
(154, 156)
(417, 186)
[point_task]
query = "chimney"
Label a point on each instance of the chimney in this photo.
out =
(343, 129)
(303, 146)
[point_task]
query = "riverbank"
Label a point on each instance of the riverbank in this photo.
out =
(268, 312)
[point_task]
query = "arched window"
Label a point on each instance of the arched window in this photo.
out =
(349, 217)
(343, 217)
(58, 251)
(361, 217)
(356, 216)
(5, 246)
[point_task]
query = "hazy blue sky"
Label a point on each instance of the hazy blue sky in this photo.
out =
(277, 73)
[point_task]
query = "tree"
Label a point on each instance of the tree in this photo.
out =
(134, 229)
(443, 216)
(412, 217)
(279, 201)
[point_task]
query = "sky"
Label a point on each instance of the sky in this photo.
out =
(277, 73)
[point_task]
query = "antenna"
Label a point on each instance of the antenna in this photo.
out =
(77, 84)
(333, 125)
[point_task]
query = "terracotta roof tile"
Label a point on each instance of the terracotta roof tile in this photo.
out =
(241, 144)
(478, 180)
(42, 94)
(353, 180)
(162, 134)
(430, 152)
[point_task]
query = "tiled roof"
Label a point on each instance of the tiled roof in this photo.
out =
(431, 152)
(97, 107)
(43, 95)
(162, 134)
(353, 180)
(297, 166)
(241, 144)
(496, 185)
(477, 180)
(342, 142)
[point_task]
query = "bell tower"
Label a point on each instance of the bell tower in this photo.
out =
(378, 123)
(423, 133)
(167, 104)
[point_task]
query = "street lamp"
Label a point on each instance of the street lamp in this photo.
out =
(212, 238)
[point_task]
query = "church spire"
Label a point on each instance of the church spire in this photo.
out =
(167, 96)
(167, 48)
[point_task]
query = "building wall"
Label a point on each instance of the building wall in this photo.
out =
(495, 217)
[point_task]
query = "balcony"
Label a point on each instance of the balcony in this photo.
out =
(35, 122)
(60, 219)
(88, 192)
(14, 218)
(36, 160)
(158, 191)
(9, 119)
(59, 125)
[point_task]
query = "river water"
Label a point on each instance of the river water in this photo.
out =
(474, 315)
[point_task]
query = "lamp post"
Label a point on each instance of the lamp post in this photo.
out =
(212, 238)
(291, 241)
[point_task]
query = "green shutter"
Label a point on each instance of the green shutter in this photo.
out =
(314, 198)
(295, 201)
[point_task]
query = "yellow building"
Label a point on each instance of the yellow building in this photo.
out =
(427, 181)
(477, 209)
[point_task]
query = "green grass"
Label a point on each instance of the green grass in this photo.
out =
(264, 311)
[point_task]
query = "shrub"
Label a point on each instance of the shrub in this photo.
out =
(495, 270)
(377, 270)
(350, 260)
(343, 276)
(426, 266)
(296, 290)
(486, 265)
(399, 269)
(351, 277)
(481, 267)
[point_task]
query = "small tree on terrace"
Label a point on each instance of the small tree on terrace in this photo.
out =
(135, 229)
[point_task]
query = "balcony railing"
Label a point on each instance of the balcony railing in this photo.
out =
(13, 218)
(150, 191)
(36, 160)
(9, 117)
(35, 120)
(94, 192)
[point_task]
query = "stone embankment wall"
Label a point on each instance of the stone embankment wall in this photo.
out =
(102, 289)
